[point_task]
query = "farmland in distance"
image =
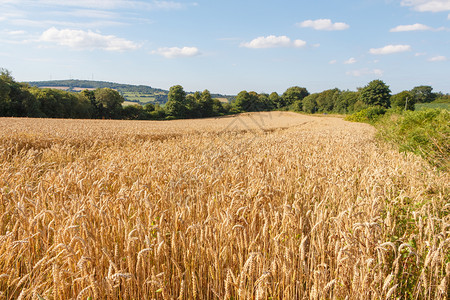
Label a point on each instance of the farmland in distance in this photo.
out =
(254, 206)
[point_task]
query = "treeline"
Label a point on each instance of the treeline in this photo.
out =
(22, 100)
(91, 84)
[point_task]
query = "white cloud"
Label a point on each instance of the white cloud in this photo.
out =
(323, 24)
(350, 61)
(174, 52)
(389, 49)
(16, 32)
(80, 39)
(420, 54)
(414, 27)
(364, 72)
(438, 58)
(273, 41)
(332, 62)
(428, 5)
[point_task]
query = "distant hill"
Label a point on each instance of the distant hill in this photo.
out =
(140, 94)
(135, 93)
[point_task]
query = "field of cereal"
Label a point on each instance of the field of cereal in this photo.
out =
(255, 206)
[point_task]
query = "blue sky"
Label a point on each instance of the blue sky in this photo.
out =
(229, 46)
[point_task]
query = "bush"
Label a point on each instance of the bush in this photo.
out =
(367, 115)
(425, 133)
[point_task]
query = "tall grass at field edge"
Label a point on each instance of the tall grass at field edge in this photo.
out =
(425, 133)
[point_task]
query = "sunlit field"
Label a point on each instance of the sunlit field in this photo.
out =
(256, 206)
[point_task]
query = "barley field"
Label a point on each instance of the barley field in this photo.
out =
(256, 206)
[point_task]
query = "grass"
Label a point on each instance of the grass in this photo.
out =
(425, 133)
(424, 106)
(254, 206)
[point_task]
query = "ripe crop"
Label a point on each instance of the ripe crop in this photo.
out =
(256, 206)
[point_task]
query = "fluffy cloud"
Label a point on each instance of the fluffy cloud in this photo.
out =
(414, 27)
(174, 52)
(80, 39)
(350, 61)
(324, 24)
(363, 72)
(438, 58)
(273, 41)
(428, 5)
(389, 49)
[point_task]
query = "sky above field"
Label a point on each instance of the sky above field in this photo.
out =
(229, 46)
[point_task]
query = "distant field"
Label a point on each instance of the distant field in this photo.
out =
(141, 97)
(253, 206)
(79, 89)
(223, 100)
(422, 106)
(126, 103)
(62, 88)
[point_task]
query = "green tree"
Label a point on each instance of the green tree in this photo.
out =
(22, 101)
(192, 105)
(293, 94)
(243, 101)
(327, 99)
(111, 102)
(276, 100)
(176, 105)
(310, 103)
(5, 81)
(96, 107)
(345, 102)
(206, 104)
(376, 93)
(423, 94)
(264, 102)
(403, 100)
(149, 107)
(218, 108)
(134, 112)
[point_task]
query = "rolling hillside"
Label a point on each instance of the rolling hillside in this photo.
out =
(140, 94)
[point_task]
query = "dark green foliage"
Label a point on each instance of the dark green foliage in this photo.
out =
(243, 102)
(134, 112)
(276, 100)
(423, 94)
(403, 100)
(110, 103)
(292, 95)
(205, 104)
(376, 93)
(309, 104)
(347, 102)
(326, 100)
(176, 106)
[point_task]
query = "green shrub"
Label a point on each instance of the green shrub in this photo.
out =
(367, 115)
(425, 133)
